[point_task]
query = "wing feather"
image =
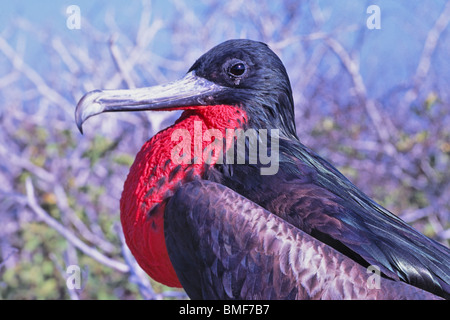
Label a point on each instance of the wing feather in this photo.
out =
(235, 249)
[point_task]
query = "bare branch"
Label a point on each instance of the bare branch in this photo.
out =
(429, 48)
(379, 121)
(120, 64)
(67, 234)
(10, 254)
(34, 77)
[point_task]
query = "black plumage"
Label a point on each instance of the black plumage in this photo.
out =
(303, 232)
(234, 249)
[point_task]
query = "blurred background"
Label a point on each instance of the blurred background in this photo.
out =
(371, 92)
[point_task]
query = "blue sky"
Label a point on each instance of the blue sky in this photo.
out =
(395, 48)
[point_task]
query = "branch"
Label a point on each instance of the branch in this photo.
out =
(13, 251)
(25, 163)
(429, 47)
(352, 68)
(138, 276)
(378, 120)
(63, 204)
(66, 233)
(34, 77)
(121, 66)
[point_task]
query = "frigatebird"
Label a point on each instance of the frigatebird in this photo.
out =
(264, 219)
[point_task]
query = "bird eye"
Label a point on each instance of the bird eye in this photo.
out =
(237, 69)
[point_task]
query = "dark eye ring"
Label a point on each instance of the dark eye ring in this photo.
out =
(237, 69)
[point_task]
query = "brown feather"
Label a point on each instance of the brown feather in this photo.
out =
(238, 250)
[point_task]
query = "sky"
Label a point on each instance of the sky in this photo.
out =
(404, 24)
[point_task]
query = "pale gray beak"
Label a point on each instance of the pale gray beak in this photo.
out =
(188, 91)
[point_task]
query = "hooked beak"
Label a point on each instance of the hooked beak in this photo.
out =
(188, 91)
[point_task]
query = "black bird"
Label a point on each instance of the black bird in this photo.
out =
(229, 204)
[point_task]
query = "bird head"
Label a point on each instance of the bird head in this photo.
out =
(242, 73)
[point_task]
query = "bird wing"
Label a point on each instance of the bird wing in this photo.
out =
(366, 228)
(224, 246)
(315, 197)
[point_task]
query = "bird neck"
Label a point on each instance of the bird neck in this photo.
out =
(172, 157)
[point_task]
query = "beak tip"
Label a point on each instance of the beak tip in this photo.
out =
(79, 119)
(80, 128)
(86, 108)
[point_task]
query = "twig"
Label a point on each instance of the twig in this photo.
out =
(13, 251)
(429, 47)
(120, 64)
(93, 237)
(44, 216)
(136, 273)
(72, 293)
(138, 276)
(378, 120)
(26, 164)
(34, 77)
